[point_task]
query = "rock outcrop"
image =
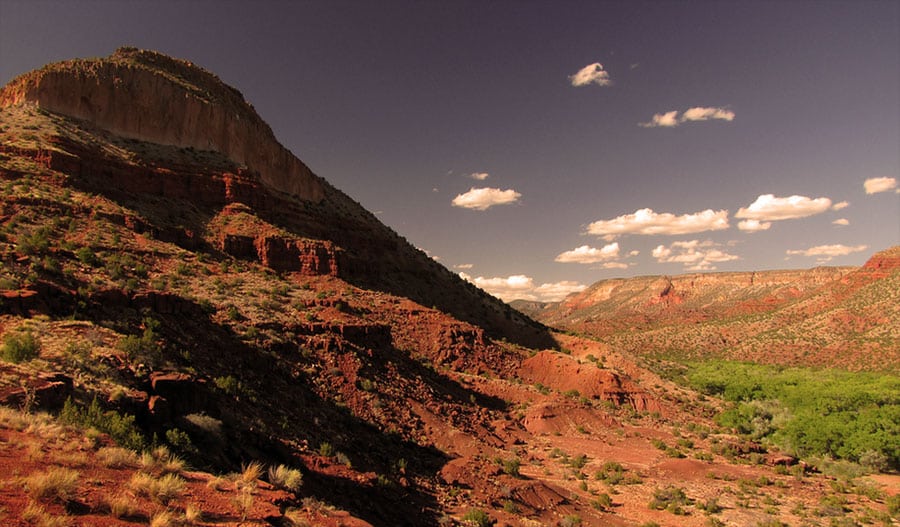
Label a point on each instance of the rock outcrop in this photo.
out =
(151, 97)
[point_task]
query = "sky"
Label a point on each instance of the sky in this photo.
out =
(536, 147)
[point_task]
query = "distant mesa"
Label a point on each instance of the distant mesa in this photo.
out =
(149, 96)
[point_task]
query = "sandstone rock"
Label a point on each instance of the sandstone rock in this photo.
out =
(148, 96)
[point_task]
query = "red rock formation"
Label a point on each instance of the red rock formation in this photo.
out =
(149, 96)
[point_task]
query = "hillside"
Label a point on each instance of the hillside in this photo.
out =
(827, 316)
(182, 299)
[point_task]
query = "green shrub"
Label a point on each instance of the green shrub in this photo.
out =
(120, 427)
(478, 517)
(20, 347)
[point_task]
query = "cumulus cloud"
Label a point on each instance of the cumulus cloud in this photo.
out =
(825, 253)
(485, 198)
(697, 113)
(591, 74)
(588, 255)
(840, 205)
(464, 266)
(767, 208)
(521, 287)
(880, 184)
(841, 221)
(645, 221)
(705, 114)
(615, 265)
(694, 254)
(557, 291)
(480, 176)
(665, 120)
(754, 225)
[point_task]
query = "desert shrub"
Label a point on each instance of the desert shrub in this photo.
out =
(285, 477)
(511, 466)
(181, 441)
(35, 242)
(325, 449)
(572, 520)
(143, 348)
(55, 484)
(893, 505)
(116, 457)
(670, 498)
(602, 502)
(120, 427)
(478, 518)
(20, 347)
(162, 489)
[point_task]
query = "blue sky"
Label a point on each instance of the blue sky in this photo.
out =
(719, 136)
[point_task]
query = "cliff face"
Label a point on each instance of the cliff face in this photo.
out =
(148, 96)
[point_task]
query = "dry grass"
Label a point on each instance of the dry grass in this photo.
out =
(243, 501)
(117, 457)
(193, 514)
(161, 460)
(286, 478)
(159, 489)
(163, 519)
(251, 472)
(56, 484)
(121, 506)
(35, 514)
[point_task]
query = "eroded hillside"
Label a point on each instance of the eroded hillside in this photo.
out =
(171, 298)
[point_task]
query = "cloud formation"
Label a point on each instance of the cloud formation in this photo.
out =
(694, 254)
(485, 198)
(880, 184)
(480, 176)
(825, 253)
(591, 74)
(754, 225)
(841, 221)
(588, 255)
(840, 205)
(645, 221)
(463, 266)
(521, 287)
(768, 208)
(697, 113)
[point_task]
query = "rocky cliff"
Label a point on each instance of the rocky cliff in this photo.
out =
(148, 96)
(139, 126)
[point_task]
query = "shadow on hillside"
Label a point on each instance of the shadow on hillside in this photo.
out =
(271, 409)
(177, 207)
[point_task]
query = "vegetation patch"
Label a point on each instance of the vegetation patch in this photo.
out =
(853, 416)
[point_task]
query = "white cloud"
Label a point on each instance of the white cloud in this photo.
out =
(480, 176)
(645, 221)
(485, 198)
(841, 221)
(557, 291)
(697, 113)
(694, 254)
(825, 253)
(591, 74)
(754, 225)
(767, 207)
(521, 287)
(704, 114)
(615, 265)
(880, 184)
(464, 266)
(588, 255)
(840, 205)
(665, 120)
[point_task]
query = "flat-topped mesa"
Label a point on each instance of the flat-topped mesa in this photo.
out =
(149, 96)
